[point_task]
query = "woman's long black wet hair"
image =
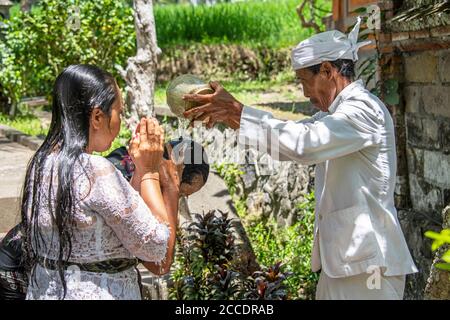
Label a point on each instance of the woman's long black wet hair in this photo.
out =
(77, 90)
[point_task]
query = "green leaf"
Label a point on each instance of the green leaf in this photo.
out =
(360, 10)
(443, 266)
(446, 256)
(432, 234)
(391, 95)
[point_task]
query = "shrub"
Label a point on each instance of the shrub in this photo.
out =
(202, 260)
(204, 265)
(38, 45)
(292, 245)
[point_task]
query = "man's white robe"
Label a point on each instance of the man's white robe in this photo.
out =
(353, 148)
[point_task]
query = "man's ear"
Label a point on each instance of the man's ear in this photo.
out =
(327, 69)
(96, 118)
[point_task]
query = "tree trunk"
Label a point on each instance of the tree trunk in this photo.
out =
(5, 106)
(438, 284)
(140, 73)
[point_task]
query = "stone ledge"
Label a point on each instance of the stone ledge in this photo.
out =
(18, 136)
(417, 42)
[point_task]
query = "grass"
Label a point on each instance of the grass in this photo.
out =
(27, 123)
(271, 23)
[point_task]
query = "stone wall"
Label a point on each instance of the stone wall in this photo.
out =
(427, 114)
(427, 120)
(221, 61)
(271, 188)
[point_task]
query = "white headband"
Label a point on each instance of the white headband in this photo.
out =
(327, 46)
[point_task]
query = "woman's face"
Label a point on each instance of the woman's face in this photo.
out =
(104, 128)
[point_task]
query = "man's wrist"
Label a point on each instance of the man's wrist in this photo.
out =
(235, 119)
(239, 106)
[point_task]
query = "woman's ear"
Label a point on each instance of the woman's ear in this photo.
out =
(96, 118)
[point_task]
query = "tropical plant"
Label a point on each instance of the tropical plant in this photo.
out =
(267, 284)
(440, 239)
(206, 248)
(292, 245)
(271, 243)
(205, 268)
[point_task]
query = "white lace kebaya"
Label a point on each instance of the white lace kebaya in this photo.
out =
(112, 221)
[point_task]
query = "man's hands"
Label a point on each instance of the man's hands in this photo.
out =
(147, 146)
(220, 106)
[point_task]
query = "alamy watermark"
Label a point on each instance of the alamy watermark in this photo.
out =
(73, 22)
(374, 280)
(373, 15)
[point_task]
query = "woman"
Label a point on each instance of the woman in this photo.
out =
(84, 225)
(193, 176)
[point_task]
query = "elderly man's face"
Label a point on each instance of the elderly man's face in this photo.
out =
(320, 88)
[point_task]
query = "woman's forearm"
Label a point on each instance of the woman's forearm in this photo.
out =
(136, 181)
(165, 208)
(170, 198)
(171, 203)
(153, 197)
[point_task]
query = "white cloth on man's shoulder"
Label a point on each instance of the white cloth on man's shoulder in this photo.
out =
(353, 147)
(112, 221)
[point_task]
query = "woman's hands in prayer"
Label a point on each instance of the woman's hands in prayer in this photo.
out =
(147, 146)
(157, 182)
(219, 106)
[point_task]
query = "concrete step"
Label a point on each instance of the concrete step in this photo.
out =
(9, 213)
(14, 159)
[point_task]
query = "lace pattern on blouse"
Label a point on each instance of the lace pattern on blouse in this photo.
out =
(111, 221)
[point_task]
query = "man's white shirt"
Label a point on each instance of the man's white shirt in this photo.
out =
(353, 148)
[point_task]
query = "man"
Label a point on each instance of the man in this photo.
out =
(358, 243)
